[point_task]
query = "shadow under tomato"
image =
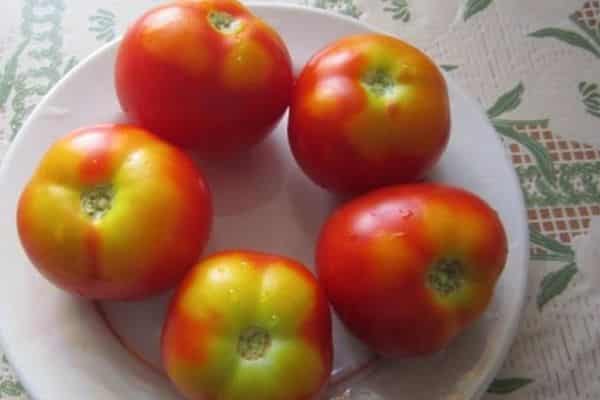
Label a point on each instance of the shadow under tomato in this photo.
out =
(311, 204)
(245, 182)
(467, 357)
(137, 326)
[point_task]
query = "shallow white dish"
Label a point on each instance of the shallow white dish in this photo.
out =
(61, 347)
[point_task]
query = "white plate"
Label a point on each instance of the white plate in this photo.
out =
(62, 349)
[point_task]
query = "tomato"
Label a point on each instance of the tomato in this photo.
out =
(368, 111)
(112, 212)
(409, 267)
(206, 74)
(248, 325)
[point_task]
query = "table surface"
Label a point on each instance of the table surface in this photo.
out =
(533, 65)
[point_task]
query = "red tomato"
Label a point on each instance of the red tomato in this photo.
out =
(409, 267)
(368, 111)
(247, 325)
(204, 74)
(112, 212)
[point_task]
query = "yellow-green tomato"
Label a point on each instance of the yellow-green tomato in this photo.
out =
(246, 325)
(113, 212)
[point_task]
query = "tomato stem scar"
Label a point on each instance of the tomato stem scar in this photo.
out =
(224, 22)
(97, 201)
(446, 277)
(254, 343)
(379, 82)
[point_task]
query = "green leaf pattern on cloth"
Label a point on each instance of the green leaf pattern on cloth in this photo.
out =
(7, 79)
(399, 9)
(543, 160)
(577, 184)
(346, 7)
(507, 102)
(590, 97)
(42, 38)
(571, 37)
(448, 67)
(103, 24)
(552, 245)
(543, 183)
(549, 186)
(473, 7)
(588, 20)
(555, 283)
(508, 385)
(10, 388)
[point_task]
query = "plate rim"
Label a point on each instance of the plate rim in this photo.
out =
(479, 385)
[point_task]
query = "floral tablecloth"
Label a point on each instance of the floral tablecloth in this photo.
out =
(534, 65)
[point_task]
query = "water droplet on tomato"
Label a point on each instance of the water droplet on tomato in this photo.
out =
(233, 294)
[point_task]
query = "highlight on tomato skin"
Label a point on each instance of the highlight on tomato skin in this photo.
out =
(368, 111)
(248, 325)
(427, 256)
(114, 212)
(207, 75)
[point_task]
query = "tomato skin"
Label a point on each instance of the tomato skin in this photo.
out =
(233, 291)
(376, 253)
(349, 133)
(155, 229)
(216, 93)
